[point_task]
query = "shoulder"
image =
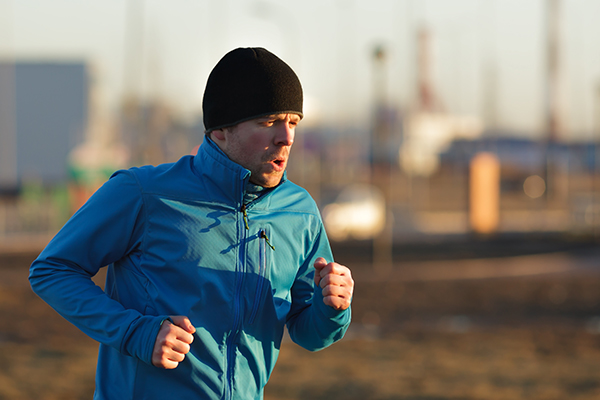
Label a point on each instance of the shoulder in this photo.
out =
(292, 197)
(159, 178)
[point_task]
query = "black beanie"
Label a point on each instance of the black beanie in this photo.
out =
(249, 83)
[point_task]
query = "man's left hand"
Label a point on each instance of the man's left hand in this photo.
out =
(336, 281)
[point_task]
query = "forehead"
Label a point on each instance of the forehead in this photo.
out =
(293, 117)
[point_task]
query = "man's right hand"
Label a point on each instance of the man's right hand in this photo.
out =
(173, 342)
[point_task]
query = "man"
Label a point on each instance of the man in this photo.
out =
(208, 258)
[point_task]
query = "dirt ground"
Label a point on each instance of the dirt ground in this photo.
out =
(523, 327)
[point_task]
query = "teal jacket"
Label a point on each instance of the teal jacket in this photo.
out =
(190, 239)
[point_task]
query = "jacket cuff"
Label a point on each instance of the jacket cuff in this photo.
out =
(141, 336)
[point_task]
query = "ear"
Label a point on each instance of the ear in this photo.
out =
(218, 134)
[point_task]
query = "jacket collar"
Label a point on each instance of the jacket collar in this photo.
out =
(224, 180)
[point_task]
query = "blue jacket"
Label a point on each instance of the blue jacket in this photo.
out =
(188, 239)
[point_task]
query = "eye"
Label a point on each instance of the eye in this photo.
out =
(268, 122)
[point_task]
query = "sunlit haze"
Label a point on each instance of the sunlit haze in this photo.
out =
(484, 53)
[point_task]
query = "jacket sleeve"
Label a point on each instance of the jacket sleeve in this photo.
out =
(108, 227)
(311, 323)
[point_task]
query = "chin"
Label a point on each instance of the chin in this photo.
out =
(269, 183)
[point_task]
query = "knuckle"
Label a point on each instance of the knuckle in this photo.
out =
(167, 342)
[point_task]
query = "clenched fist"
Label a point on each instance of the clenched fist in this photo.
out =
(173, 342)
(336, 282)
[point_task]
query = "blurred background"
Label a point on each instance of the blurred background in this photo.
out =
(451, 145)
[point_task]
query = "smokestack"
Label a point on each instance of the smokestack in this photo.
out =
(427, 98)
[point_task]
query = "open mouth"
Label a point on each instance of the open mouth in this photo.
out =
(278, 161)
(278, 164)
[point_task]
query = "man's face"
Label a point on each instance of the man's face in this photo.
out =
(260, 145)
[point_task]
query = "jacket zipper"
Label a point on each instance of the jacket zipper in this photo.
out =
(245, 214)
(263, 235)
(262, 271)
(240, 270)
(237, 305)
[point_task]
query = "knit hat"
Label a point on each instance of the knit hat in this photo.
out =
(248, 83)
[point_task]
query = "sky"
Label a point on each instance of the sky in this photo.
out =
(488, 55)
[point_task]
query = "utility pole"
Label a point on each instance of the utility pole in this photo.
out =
(381, 168)
(554, 124)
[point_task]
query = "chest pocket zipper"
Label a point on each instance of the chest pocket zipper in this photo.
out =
(262, 271)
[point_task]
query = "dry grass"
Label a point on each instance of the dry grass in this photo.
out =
(503, 363)
(509, 338)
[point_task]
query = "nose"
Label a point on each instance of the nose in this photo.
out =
(285, 134)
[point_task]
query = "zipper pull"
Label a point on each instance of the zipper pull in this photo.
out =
(243, 210)
(263, 235)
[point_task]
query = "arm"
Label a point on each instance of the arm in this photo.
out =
(107, 228)
(321, 296)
